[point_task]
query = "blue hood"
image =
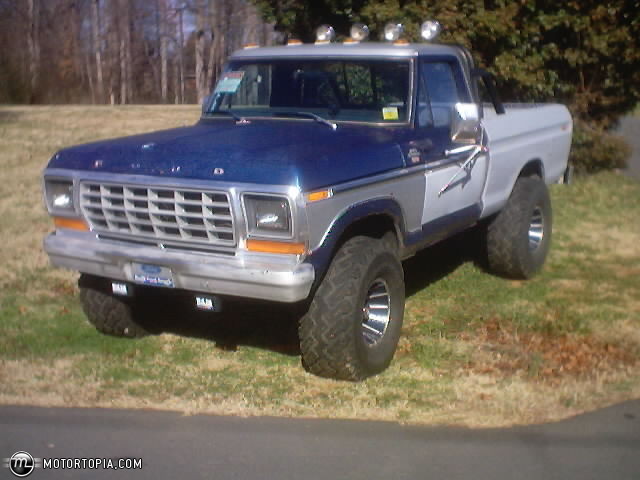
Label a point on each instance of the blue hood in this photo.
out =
(279, 152)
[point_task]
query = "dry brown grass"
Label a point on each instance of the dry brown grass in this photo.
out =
(476, 350)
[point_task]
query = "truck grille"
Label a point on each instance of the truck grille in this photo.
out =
(161, 214)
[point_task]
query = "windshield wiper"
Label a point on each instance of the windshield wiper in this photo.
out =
(313, 116)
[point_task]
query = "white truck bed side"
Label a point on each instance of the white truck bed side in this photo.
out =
(526, 132)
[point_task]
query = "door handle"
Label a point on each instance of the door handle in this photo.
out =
(460, 150)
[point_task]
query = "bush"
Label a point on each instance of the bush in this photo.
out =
(594, 150)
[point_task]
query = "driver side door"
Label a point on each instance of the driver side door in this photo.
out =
(454, 180)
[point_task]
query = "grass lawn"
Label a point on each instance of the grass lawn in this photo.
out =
(476, 349)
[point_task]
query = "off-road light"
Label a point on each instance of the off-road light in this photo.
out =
(392, 31)
(325, 34)
(359, 32)
(430, 30)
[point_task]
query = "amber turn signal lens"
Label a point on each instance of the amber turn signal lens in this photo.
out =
(266, 246)
(70, 223)
(315, 196)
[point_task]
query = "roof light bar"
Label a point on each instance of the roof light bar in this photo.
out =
(392, 31)
(325, 34)
(430, 30)
(359, 32)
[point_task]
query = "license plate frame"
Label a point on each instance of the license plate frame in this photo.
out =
(152, 275)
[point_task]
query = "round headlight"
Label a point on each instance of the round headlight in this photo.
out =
(430, 30)
(359, 32)
(325, 34)
(392, 31)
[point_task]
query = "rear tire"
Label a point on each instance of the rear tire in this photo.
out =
(353, 324)
(108, 314)
(518, 238)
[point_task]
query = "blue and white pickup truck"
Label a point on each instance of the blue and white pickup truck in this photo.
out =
(312, 173)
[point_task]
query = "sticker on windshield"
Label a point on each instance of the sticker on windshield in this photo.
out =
(390, 113)
(229, 82)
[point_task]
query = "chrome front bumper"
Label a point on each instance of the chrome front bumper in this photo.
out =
(242, 275)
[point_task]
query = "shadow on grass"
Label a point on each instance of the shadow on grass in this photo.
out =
(273, 326)
(435, 263)
(241, 322)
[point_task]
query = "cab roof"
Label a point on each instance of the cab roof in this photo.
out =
(363, 49)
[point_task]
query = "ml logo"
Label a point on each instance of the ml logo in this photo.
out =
(21, 464)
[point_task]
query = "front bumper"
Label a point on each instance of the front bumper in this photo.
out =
(241, 276)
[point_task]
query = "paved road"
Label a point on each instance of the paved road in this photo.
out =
(599, 445)
(630, 129)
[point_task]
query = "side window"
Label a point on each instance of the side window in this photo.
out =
(425, 117)
(442, 90)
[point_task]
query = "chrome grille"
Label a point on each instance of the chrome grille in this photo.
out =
(159, 213)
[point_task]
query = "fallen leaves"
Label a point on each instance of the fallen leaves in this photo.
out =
(502, 350)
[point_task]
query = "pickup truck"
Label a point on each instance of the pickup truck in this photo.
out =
(312, 173)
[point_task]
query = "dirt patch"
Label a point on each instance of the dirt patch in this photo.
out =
(502, 350)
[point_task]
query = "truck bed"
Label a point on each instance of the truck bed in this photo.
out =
(526, 132)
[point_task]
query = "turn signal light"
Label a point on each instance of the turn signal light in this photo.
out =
(70, 223)
(266, 246)
(321, 195)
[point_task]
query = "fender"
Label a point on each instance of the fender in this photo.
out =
(321, 257)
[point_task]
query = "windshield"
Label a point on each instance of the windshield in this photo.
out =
(375, 91)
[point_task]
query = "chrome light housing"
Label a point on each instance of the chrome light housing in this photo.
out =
(392, 31)
(58, 195)
(430, 30)
(325, 34)
(359, 32)
(267, 215)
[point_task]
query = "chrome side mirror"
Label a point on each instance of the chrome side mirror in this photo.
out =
(465, 124)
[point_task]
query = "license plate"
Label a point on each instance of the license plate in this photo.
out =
(154, 275)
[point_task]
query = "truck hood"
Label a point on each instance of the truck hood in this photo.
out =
(307, 154)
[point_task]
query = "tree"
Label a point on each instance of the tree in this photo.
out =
(33, 43)
(97, 51)
(118, 51)
(300, 19)
(163, 33)
(584, 53)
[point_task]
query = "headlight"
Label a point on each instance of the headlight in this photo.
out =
(268, 215)
(59, 196)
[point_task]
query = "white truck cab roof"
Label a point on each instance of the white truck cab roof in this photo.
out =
(363, 49)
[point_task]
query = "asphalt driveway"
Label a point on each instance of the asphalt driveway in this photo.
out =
(598, 445)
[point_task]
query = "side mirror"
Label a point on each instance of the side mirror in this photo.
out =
(465, 125)
(205, 103)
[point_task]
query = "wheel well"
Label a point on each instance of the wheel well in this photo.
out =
(533, 168)
(375, 226)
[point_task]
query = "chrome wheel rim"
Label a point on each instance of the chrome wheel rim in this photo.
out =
(376, 312)
(536, 229)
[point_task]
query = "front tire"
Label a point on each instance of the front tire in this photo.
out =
(353, 324)
(519, 237)
(108, 314)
